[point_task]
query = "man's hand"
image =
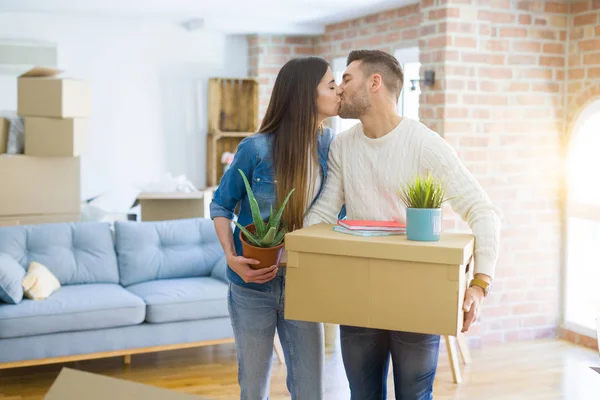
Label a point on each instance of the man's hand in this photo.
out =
(241, 266)
(471, 306)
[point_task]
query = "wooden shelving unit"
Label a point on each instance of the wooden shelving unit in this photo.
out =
(232, 116)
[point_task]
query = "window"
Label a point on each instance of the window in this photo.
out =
(582, 273)
(408, 103)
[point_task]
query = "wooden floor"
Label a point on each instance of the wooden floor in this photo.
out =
(548, 369)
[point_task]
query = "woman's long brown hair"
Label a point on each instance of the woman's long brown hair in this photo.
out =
(292, 119)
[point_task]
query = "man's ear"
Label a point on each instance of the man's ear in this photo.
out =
(376, 82)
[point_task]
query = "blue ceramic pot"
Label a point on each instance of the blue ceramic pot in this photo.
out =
(423, 224)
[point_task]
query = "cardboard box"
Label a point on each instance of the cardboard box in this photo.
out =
(385, 282)
(55, 137)
(39, 185)
(176, 205)
(77, 385)
(42, 94)
(4, 128)
(38, 219)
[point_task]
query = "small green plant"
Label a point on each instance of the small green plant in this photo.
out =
(267, 234)
(423, 192)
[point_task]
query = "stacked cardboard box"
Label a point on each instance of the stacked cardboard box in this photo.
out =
(43, 185)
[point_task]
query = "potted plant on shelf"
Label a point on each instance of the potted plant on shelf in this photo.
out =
(423, 198)
(263, 240)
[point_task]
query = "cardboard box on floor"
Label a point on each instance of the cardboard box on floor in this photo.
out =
(4, 127)
(176, 205)
(41, 93)
(385, 282)
(39, 185)
(13, 220)
(77, 385)
(55, 137)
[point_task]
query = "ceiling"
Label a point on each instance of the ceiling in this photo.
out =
(230, 16)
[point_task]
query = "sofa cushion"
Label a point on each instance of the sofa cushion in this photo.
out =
(72, 308)
(76, 253)
(165, 249)
(172, 300)
(11, 276)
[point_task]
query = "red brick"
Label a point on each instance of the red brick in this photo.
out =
(518, 87)
(547, 34)
(298, 40)
(440, 41)
(496, 17)
(524, 19)
(576, 33)
(279, 50)
(559, 21)
(541, 21)
(485, 30)
(552, 61)
(426, 3)
(488, 86)
(579, 6)
(304, 50)
(467, 41)
(428, 30)
(557, 8)
(452, 84)
(498, 45)
(537, 6)
(410, 34)
(555, 48)
(495, 73)
(549, 87)
(392, 37)
(591, 58)
(597, 30)
(585, 19)
(456, 27)
(382, 28)
(593, 73)
(444, 13)
(521, 60)
(513, 32)
(530, 47)
(478, 58)
(589, 45)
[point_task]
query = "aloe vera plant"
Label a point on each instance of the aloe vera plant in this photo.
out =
(423, 192)
(267, 234)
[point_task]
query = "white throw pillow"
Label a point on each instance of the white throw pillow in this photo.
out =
(39, 283)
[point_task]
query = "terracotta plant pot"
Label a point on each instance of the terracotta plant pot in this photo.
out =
(267, 256)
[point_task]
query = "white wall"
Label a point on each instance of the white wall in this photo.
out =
(149, 84)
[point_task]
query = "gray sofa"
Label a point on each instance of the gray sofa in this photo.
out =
(146, 286)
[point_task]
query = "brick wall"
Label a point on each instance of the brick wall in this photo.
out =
(583, 56)
(510, 76)
(267, 54)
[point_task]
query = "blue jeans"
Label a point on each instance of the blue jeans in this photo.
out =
(366, 355)
(254, 316)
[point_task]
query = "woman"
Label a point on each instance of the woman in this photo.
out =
(289, 152)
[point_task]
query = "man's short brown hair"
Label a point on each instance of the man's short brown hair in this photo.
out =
(380, 62)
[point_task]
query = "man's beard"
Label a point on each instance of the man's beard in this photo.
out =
(356, 108)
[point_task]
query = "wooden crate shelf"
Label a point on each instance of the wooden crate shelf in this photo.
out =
(232, 116)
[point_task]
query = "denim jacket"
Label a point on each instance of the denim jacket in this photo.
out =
(253, 156)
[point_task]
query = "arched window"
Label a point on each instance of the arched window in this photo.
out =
(582, 274)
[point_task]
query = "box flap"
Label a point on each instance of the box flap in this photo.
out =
(452, 248)
(41, 72)
(76, 385)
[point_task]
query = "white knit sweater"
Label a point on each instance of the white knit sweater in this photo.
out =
(366, 174)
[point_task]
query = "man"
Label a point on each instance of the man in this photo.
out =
(368, 164)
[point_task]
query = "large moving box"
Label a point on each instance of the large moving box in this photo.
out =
(77, 385)
(4, 128)
(39, 185)
(55, 137)
(385, 282)
(41, 93)
(175, 205)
